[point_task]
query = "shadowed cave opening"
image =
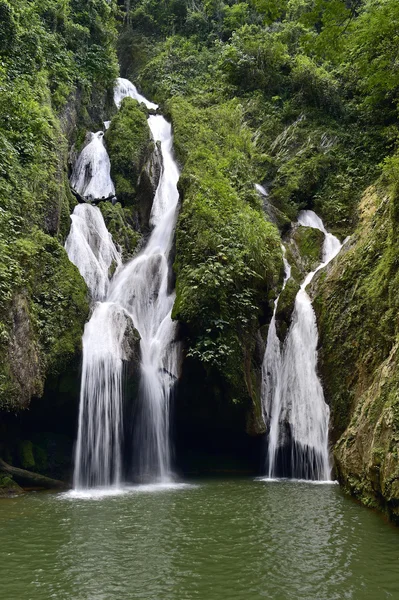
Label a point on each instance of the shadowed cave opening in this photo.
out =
(207, 430)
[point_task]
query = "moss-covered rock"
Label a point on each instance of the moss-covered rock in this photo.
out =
(8, 487)
(304, 250)
(129, 146)
(43, 331)
(357, 306)
(120, 224)
(228, 256)
(367, 454)
(285, 308)
(147, 186)
(57, 74)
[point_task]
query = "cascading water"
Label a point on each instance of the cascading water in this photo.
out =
(90, 247)
(142, 288)
(271, 367)
(137, 295)
(125, 88)
(91, 175)
(292, 395)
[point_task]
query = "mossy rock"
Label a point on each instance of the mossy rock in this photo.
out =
(228, 256)
(129, 145)
(304, 250)
(121, 225)
(8, 487)
(357, 306)
(45, 323)
(285, 308)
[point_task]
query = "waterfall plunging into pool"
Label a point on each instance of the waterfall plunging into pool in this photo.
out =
(292, 395)
(138, 296)
(142, 287)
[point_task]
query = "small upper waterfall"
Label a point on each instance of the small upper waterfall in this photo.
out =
(292, 395)
(125, 88)
(91, 175)
(138, 294)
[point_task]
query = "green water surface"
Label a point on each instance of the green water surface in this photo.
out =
(233, 539)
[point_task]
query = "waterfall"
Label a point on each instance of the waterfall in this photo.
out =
(124, 88)
(272, 363)
(138, 295)
(90, 247)
(261, 190)
(91, 176)
(292, 395)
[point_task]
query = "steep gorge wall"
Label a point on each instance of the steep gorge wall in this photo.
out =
(357, 307)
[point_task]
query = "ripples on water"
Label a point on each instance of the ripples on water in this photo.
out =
(215, 540)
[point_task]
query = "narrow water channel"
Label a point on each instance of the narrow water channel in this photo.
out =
(214, 539)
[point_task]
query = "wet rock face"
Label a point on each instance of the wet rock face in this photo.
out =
(356, 303)
(23, 354)
(285, 308)
(131, 348)
(147, 187)
(367, 453)
(8, 487)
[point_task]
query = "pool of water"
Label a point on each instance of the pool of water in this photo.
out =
(217, 539)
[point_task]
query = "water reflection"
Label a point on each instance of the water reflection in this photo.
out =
(239, 540)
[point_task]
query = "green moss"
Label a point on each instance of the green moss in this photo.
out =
(129, 145)
(285, 307)
(304, 251)
(119, 223)
(228, 257)
(310, 244)
(8, 487)
(356, 304)
(59, 304)
(57, 60)
(54, 310)
(357, 307)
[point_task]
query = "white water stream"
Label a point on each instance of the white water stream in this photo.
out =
(91, 176)
(292, 395)
(136, 295)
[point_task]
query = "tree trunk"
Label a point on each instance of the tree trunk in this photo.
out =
(29, 479)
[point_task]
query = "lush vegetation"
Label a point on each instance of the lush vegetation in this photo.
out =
(295, 94)
(314, 80)
(299, 95)
(129, 146)
(228, 256)
(55, 55)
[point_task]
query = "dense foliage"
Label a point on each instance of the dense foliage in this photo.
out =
(299, 95)
(316, 80)
(227, 255)
(129, 145)
(357, 307)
